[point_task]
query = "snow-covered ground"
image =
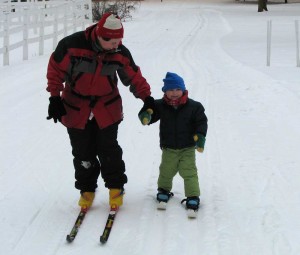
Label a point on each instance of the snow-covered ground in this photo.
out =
(249, 172)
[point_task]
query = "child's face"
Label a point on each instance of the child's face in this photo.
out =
(174, 94)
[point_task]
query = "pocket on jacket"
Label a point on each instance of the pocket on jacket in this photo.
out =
(73, 116)
(70, 106)
(114, 107)
(110, 68)
(84, 65)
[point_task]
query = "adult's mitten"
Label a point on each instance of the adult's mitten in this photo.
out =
(199, 142)
(56, 109)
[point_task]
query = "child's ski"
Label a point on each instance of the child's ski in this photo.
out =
(161, 205)
(192, 214)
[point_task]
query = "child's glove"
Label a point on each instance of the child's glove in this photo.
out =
(145, 116)
(199, 142)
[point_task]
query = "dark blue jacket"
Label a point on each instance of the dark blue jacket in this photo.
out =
(179, 125)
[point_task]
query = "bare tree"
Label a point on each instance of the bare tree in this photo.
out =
(262, 5)
(123, 8)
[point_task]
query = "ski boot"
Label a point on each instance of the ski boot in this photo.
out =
(192, 206)
(86, 200)
(116, 197)
(163, 197)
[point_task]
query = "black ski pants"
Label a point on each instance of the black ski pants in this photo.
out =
(97, 151)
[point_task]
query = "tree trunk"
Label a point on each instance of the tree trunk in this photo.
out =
(262, 5)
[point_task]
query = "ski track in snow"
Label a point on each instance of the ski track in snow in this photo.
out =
(216, 218)
(234, 160)
(218, 222)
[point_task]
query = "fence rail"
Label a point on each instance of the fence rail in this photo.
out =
(23, 24)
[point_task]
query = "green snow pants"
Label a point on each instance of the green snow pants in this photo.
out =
(184, 162)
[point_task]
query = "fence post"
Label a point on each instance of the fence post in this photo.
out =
(42, 32)
(269, 33)
(35, 20)
(297, 42)
(84, 6)
(6, 40)
(55, 28)
(90, 10)
(65, 20)
(74, 21)
(25, 35)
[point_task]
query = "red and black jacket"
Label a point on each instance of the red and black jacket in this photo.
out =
(85, 76)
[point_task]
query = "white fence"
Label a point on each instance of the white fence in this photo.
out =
(269, 41)
(25, 24)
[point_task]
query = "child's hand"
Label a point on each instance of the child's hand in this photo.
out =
(199, 142)
(145, 117)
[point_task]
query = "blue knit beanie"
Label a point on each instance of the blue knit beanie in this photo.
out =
(173, 81)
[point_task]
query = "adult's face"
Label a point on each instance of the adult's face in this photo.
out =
(109, 43)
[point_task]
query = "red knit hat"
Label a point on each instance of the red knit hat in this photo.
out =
(110, 26)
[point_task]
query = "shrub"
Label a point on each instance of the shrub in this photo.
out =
(123, 8)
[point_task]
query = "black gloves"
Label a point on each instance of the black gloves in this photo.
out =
(149, 103)
(56, 109)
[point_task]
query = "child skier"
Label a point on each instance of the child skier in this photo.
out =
(183, 127)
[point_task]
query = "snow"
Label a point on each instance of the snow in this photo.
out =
(249, 172)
